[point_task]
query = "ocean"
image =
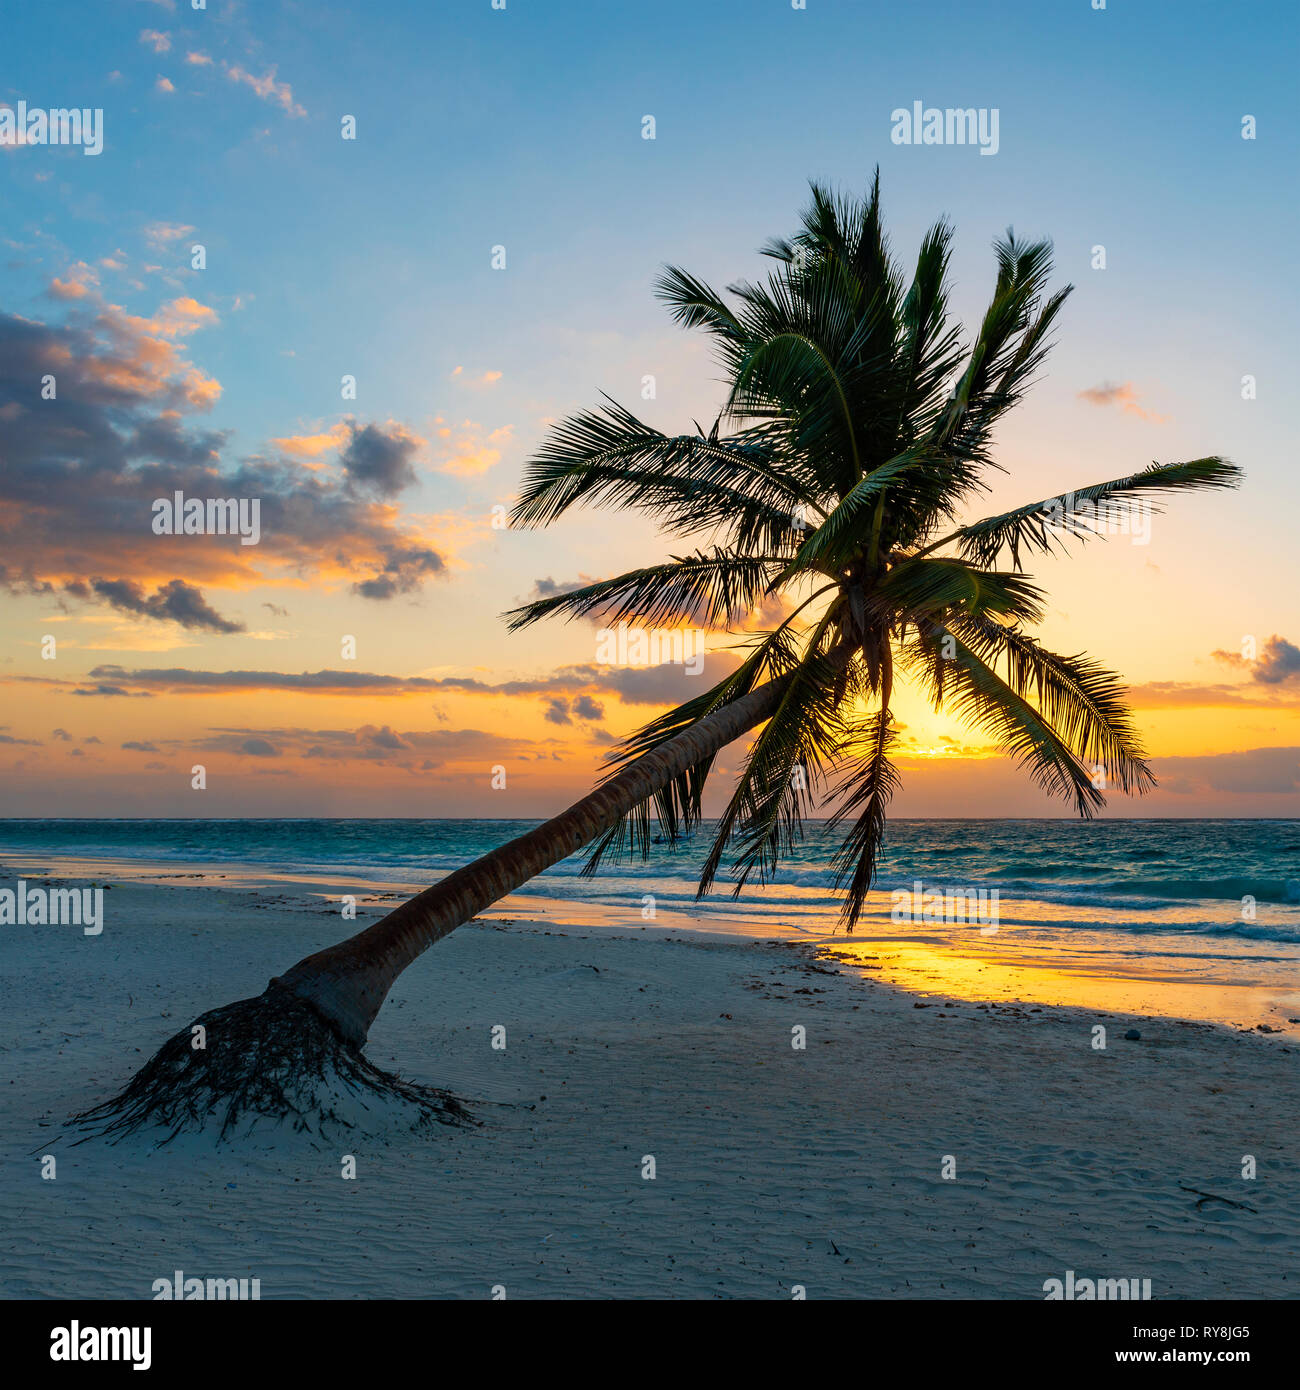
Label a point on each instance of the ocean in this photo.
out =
(1192, 917)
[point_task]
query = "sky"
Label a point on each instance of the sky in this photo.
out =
(479, 261)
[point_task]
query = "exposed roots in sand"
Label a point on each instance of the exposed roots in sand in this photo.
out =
(268, 1061)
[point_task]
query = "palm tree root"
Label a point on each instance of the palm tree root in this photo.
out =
(263, 1063)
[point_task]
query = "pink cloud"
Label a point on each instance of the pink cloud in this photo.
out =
(266, 87)
(1123, 396)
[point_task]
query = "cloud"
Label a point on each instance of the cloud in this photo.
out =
(1277, 664)
(557, 712)
(479, 382)
(1273, 683)
(380, 738)
(79, 474)
(161, 235)
(180, 317)
(67, 289)
(550, 588)
(1253, 771)
(668, 684)
(165, 84)
(111, 690)
(648, 685)
(309, 447)
(141, 747)
(1194, 695)
(197, 59)
(179, 679)
(1124, 396)
(175, 601)
(266, 87)
(378, 460)
(159, 42)
(1279, 661)
(404, 570)
(413, 749)
(80, 282)
(467, 449)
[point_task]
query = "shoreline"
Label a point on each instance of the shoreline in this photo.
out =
(971, 966)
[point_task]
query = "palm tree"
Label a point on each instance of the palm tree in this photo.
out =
(859, 430)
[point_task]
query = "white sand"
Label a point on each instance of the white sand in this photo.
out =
(775, 1167)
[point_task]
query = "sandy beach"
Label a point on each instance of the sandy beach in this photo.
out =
(774, 1167)
(695, 698)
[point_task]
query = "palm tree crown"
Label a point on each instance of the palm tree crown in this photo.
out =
(860, 428)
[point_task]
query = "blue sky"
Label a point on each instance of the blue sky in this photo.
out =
(479, 127)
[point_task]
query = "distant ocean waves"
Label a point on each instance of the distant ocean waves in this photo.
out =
(1225, 879)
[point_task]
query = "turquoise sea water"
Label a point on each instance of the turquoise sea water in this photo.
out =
(1196, 871)
(1212, 904)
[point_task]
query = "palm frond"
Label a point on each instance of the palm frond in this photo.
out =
(1084, 702)
(957, 677)
(919, 588)
(772, 655)
(866, 788)
(609, 458)
(782, 772)
(716, 588)
(1044, 526)
(693, 304)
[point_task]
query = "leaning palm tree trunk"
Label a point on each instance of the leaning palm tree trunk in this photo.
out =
(346, 984)
(294, 1052)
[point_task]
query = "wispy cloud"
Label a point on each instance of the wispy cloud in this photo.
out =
(309, 448)
(1198, 695)
(77, 283)
(161, 235)
(468, 449)
(478, 381)
(638, 685)
(266, 87)
(1250, 771)
(1124, 397)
